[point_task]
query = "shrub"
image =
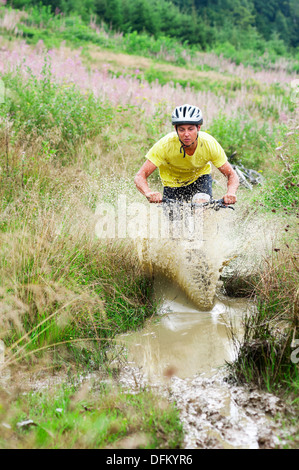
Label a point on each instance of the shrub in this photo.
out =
(242, 134)
(60, 114)
(281, 191)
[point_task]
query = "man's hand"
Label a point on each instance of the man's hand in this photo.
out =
(232, 183)
(155, 197)
(230, 198)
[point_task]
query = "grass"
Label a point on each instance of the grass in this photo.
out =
(62, 284)
(61, 278)
(282, 191)
(59, 117)
(89, 416)
(265, 354)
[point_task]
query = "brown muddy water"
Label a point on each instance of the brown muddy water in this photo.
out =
(181, 353)
(182, 340)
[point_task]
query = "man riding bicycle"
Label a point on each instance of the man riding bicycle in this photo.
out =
(183, 158)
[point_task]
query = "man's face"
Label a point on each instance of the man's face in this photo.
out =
(187, 133)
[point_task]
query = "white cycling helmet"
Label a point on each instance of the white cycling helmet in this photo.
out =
(187, 114)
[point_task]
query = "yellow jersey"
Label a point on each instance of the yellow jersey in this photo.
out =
(175, 170)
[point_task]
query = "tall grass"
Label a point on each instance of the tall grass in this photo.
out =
(59, 284)
(281, 192)
(264, 355)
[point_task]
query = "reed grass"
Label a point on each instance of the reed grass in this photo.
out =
(60, 285)
(265, 353)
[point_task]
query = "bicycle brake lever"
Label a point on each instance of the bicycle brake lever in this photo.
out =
(221, 204)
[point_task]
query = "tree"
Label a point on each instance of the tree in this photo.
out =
(281, 27)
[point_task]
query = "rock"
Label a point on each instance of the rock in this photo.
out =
(26, 424)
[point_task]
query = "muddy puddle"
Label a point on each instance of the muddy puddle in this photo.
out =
(181, 353)
(181, 340)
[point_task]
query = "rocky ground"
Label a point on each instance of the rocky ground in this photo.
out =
(217, 415)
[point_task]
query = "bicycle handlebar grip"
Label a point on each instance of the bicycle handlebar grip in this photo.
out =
(221, 204)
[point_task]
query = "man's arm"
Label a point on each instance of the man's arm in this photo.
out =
(141, 182)
(232, 183)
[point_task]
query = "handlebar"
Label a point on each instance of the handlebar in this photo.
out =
(215, 204)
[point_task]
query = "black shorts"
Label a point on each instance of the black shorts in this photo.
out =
(185, 193)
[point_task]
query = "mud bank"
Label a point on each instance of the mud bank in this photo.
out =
(181, 354)
(216, 415)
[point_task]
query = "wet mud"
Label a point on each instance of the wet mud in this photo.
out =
(181, 354)
(216, 415)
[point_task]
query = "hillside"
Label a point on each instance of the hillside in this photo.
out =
(244, 32)
(205, 23)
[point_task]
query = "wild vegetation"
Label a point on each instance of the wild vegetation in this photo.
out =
(76, 119)
(240, 24)
(240, 31)
(84, 417)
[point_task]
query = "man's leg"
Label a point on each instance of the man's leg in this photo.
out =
(185, 193)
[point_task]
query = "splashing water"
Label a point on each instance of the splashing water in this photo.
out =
(194, 264)
(190, 250)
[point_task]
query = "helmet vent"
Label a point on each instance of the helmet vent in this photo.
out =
(187, 114)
